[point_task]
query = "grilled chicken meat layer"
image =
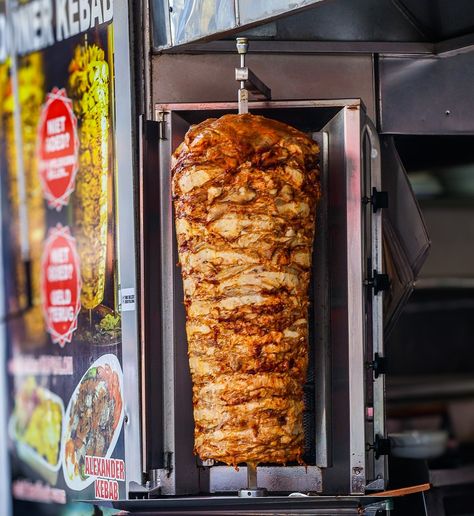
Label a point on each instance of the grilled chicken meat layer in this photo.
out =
(245, 190)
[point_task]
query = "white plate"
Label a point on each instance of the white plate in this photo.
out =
(29, 455)
(419, 444)
(75, 481)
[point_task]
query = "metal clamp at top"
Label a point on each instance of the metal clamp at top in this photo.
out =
(248, 80)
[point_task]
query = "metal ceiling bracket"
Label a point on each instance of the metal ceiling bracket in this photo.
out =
(252, 83)
(147, 490)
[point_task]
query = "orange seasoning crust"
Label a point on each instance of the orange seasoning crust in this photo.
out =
(245, 190)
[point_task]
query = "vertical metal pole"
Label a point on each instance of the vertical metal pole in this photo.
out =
(355, 293)
(252, 489)
(380, 467)
(5, 487)
(5, 473)
(243, 94)
(126, 239)
(251, 476)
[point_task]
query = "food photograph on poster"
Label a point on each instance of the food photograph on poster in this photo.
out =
(64, 333)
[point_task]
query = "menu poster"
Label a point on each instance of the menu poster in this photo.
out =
(64, 352)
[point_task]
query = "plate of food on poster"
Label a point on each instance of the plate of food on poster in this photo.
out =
(35, 427)
(93, 420)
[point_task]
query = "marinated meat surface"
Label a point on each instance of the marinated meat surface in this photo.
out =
(245, 190)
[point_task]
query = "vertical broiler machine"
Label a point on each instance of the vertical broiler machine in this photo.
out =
(345, 443)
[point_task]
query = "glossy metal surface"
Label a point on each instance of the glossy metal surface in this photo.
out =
(126, 241)
(439, 27)
(355, 298)
(187, 78)
(409, 243)
(405, 48)
(183, 475)
(194, 19)
(190, 20)
(427, 95)
(5, 482)
(149, 299)
(274, 479)
(347, 472)
(377, 423)
(341, 380)
(203, 505)
(321, 307)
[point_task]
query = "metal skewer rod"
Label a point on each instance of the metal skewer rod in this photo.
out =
(251, 476)
(243, 94)
(252, 489)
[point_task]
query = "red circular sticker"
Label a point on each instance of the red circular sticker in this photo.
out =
(60, 284)
(58, 149)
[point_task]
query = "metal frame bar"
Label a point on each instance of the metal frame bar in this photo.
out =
(368, 505)
(454, 46)
(351, 117)
(146, 36)
(150, 298)
(308, 47)
(5, 472)
(380, 466)
(168, 264)
(322, 382)
(126, 238)
(446, 48)
(355, 298)
(181, 474)
(199, 106)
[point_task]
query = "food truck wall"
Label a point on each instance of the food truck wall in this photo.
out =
(353, 69)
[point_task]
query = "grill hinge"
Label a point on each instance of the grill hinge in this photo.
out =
(378, 282)
(379, 365)
(378, 200)
(381, 446)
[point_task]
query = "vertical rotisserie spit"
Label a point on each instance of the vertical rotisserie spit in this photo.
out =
(31, 93)
(7, 127)
(245, 191)
(89, 90)
(31, 97)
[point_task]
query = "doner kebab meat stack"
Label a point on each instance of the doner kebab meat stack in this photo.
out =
(245, 191)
